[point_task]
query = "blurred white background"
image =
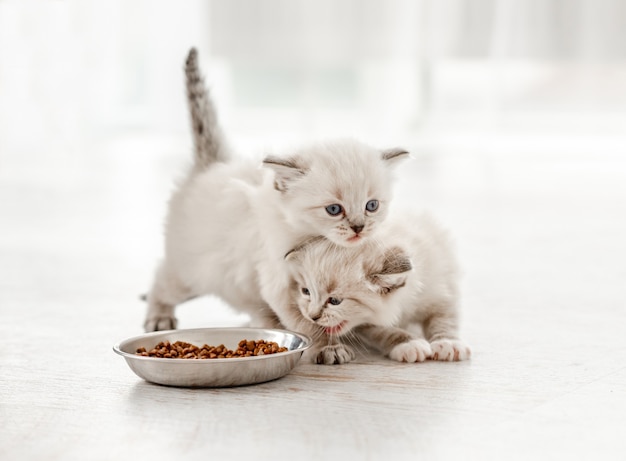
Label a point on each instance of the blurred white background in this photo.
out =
(74, 73)
(495, 97)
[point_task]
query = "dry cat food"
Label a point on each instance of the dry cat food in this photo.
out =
(183, 350)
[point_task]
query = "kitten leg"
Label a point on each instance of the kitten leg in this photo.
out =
(328, 350)
(441, 331)
(415, 350)
(334, 354)
(396, 343)
(166, 293)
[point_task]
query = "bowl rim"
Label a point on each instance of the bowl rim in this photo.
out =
(307, 342)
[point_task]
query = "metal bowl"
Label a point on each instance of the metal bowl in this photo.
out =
(214, 372)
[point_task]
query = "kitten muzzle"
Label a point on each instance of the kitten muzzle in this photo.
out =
(336, 329)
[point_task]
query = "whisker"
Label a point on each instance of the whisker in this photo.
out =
(355, 341)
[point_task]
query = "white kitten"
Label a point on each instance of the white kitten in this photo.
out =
(405, 279)
(230, 223)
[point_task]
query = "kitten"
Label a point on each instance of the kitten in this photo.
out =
(405, 279)
(230, 222)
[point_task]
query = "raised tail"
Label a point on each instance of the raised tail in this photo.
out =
(209, 143)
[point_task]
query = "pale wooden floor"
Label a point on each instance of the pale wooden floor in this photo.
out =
(541, 240)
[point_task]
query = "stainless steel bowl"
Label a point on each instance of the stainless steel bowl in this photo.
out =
(214, 372)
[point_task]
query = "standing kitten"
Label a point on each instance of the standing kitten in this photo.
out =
(230, 222)
(404, 279)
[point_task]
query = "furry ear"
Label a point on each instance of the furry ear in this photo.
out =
(293, 262)
(393, 273)
(394, 154)
(286, 170)
(295, 254)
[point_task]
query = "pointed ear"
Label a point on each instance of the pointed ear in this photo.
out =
(286, 170)
(393, 155)
(393, 273)
(295, 254)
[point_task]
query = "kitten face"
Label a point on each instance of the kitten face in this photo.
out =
(340, 288)
(340, 191)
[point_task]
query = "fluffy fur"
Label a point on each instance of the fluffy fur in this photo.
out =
(230, 223)
(209, 142)
(398, 293)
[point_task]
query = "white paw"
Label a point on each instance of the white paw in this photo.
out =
(335, 354)
(161, 323)
(416, 350)
(450, 350)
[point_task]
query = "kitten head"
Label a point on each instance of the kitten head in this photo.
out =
(339, 190)
(340, 288)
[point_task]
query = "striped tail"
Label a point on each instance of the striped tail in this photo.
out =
(209, 142)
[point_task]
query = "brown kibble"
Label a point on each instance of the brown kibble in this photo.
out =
(183, 350)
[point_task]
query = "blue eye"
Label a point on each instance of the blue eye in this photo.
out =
(306, 292)
(334, 301)
(334, 209)
(372, 205)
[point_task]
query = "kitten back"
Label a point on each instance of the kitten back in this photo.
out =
(209, 143)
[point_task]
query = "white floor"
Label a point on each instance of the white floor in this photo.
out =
(541, 239)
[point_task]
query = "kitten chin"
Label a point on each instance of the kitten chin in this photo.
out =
(350, 242)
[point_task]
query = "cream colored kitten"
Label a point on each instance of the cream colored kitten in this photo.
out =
(231, 222)
(398, 292)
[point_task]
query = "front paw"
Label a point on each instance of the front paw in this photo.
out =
(415, 350)
(160, 323)
(450, 350)
(335, 354)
